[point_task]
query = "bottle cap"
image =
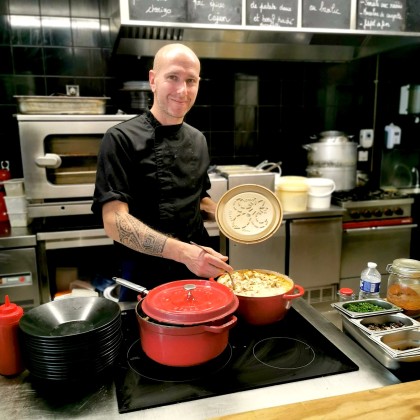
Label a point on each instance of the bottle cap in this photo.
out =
(346, 291)
(372, 265)
(10, 313)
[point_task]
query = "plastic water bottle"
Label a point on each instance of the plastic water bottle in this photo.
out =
(370, 282)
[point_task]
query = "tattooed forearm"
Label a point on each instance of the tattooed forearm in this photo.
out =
(136, 235)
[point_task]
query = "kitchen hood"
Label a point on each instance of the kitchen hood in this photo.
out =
(261, 43)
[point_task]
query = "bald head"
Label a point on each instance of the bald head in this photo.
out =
(174, 81)
(174, 51)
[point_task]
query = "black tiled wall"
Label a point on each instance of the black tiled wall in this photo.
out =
(45, 45)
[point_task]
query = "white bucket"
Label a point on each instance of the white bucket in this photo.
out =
(319, 192)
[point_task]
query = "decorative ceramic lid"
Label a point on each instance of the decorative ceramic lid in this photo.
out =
(249, 214)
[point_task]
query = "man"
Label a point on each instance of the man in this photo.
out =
(152, 180)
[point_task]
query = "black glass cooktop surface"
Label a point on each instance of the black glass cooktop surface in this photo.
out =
(287, 351)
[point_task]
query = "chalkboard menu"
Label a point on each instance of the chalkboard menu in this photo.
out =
(326, 14)
(370, 15)
(412, 18)
(158, 10)
(223, 12)
(274, 13)
(381, 15)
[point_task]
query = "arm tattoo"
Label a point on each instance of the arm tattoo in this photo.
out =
(138, 236)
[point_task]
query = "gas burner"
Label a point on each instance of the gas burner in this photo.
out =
(363, 194)
(363, 204)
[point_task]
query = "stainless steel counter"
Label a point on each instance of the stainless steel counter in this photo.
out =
(16, 237)
(308, 213)
(19, 400)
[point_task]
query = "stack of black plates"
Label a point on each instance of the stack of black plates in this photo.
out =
(71, 339)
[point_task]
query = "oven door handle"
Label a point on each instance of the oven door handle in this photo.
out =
(377, 228)
(49, 160)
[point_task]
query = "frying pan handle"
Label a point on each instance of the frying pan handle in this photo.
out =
(300, 293)
(221, 328)
(131, 285)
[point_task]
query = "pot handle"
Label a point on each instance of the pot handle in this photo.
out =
(217, 329)
(131, 285)
(300, 293)
(313, 172)
(310, 147)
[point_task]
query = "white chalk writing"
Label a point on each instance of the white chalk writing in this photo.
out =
(157, 10)
(381, 15)
(333, 9)
(272, 13)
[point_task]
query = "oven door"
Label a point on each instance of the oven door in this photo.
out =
(380, 244)
(59, 153)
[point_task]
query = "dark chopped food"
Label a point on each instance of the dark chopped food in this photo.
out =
(391, 325)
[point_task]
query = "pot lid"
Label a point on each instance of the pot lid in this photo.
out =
(333, 136)
(249, 214)
(188, 302)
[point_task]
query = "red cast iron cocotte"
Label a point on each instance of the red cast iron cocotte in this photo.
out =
(186, 322)
(264, 310)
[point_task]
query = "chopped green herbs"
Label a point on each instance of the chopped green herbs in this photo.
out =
(363, 307)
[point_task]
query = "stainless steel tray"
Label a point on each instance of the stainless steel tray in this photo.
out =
(388, 308)
(363, 323)
(400, 344)
(366, 341)
(39, 105)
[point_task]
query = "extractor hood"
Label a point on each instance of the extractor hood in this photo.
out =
(263, 44)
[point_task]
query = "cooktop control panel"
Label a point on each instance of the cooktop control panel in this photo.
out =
(380, 211)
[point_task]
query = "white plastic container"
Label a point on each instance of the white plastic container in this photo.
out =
(292, 191)
(16, 204)
(14, 187)
(392, 135)
(370, 282)
(19, 219)
(319, 192)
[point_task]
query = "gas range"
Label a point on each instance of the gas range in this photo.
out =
(378, 205)
(256, 357)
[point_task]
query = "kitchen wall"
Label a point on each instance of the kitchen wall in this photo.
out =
(398, 69)
(248, 110)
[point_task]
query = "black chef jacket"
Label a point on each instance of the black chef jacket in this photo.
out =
(161, 172)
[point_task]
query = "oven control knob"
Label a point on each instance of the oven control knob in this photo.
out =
(399, 211)
(367, 214)
(354, 214)
(388, 212)
(377, 213)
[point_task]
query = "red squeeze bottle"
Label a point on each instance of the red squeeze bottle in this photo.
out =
(10, 357)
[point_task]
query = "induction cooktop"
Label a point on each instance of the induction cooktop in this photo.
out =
(256, 356)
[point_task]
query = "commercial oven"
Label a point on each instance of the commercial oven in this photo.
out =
(377, 227)
(59, 157)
